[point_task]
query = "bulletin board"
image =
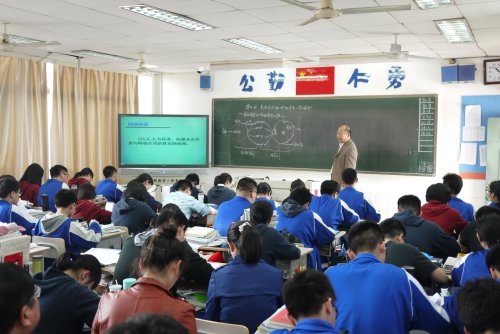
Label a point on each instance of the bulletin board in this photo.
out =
(473, 133)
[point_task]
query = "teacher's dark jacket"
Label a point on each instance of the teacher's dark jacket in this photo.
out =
(346, 157)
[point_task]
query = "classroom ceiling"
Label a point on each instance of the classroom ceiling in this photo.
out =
(101, 25)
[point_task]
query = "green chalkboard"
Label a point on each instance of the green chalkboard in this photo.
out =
(394, 134)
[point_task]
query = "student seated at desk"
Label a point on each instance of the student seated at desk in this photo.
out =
(86, 207)
(473, 265)
(194, 179)
(374, 297)
(309, 300)
(494, 194)
(86, 175)
(58, 178)
(59, 225)
(264, 193)
(246, 291)
(455, 184)
(438, 211)
(161, 259)
(296, 218)
(9, 211)
(274, 245)
(19, 307)
(355, 199)
(451, 305)
(109, 187)
(187, 203)
(334, 212)
(232, 210)
(294, 185)
(131, 211)
(468, 238)
(67, 301)
(400, 254)
(221, 191)
(427, 236)
(194, 268)
(30, 183)
(148, 183)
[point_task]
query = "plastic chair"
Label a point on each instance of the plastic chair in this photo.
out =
(213, 327)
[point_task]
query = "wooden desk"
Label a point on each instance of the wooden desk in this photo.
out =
(290, 267)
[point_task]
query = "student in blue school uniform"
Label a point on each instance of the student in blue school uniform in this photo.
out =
(67, 301)
(232, 210)
(296, 218)
(264, 193)
(274, 245)
(58, 180)
(356, 199)
(109, 187)
(494, 194)
(473, 265)
(374, 297)
(451, 305)
(334, 212)
(309, 299)
(247, 290)
(455, 183)
(59, 225)
(9, 211)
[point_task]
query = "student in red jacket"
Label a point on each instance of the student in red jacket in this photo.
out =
(438, 211)
(30, 183)
(86, 207)
(86, 175)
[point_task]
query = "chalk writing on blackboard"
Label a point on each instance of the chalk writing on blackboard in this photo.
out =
(426, 124)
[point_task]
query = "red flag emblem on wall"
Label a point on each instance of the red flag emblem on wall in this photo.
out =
(315, 80)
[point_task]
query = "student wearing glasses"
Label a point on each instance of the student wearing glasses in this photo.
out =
(58, 179)
(19, 307)
(67, 301)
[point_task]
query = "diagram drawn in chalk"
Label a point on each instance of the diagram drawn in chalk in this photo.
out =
(282, 136)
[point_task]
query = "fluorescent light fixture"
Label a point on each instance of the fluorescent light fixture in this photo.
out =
(14, 39)
(430, 4)
(246, 43)
(168, 17)
(109, 56)
(455, 30)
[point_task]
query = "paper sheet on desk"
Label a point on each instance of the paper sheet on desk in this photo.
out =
(106, 256)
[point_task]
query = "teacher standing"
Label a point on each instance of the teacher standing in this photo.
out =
(346, 156)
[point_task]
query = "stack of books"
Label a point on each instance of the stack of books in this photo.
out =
(201, 235)
(279, 320)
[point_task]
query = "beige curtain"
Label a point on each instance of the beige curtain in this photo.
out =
(85, 116)
(23, 115)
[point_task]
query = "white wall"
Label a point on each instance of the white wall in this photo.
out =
(181, 95)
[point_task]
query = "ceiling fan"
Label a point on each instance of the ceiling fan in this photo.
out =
(395, 53)
(8, 42)
(326, 10)
(142, 67)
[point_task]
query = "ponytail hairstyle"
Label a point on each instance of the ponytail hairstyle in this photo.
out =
(76, 262)
(162, 248)
(246, 239)
(85, 171)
